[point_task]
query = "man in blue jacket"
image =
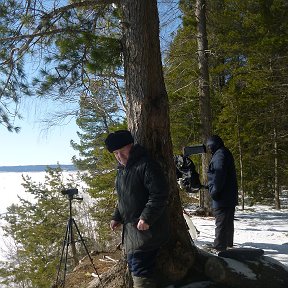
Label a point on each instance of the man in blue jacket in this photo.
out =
(142, 192)
(223, 188)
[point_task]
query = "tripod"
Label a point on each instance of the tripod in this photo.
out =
(69, 239)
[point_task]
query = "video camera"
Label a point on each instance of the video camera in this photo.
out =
(195, 149)
(71, 193)
(187, 176)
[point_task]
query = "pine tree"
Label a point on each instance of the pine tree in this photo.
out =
(248, 71)
(35, 228)
(250, 34)
(72, 43)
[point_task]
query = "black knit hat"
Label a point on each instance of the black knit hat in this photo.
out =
(118, 139)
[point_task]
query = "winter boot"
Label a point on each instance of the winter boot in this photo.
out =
(143, 282)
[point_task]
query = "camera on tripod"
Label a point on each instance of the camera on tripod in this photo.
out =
(70, 240)
(71, 193)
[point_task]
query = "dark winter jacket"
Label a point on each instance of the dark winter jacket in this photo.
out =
(222, 179)
(142, 194)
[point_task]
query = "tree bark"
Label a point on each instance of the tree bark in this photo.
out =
(204, 94)
(240, 149)
(275, 154)
(148, 119)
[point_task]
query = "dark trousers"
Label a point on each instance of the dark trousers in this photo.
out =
(142, 263)
(224, 231)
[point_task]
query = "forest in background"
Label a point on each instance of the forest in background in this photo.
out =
(248, 68)
(248, 88)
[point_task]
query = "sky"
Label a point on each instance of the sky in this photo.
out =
(34, 144)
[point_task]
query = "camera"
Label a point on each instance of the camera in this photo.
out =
(196, 149)
(70, 192)
(187, 176)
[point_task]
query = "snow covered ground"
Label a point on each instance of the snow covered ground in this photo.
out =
(258, 226)
(255, 227)
(11, 186)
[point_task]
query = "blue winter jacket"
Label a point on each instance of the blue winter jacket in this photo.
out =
(222, 179)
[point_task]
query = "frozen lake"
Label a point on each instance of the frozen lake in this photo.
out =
(10, 186)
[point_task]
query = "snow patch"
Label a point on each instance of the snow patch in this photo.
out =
(240, 268)
(260, 226)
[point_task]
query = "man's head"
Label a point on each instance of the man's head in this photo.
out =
(120, 143)
(214, 143)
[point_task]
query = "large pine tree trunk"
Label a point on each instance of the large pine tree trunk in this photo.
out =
(148, 119)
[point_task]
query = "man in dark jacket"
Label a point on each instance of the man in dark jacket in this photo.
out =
(222, 183)
(142, 202)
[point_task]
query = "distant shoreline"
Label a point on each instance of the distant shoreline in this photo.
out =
(36, 168)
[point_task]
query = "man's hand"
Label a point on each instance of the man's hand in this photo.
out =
(114, 224)
(142, 225)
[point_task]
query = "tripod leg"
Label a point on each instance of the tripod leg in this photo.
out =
(67, 246)
(87, 252)
(73, 246)
(66, 242)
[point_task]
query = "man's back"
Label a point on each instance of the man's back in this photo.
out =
(222, 179)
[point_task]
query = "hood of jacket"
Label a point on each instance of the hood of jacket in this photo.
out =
(214, 143)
